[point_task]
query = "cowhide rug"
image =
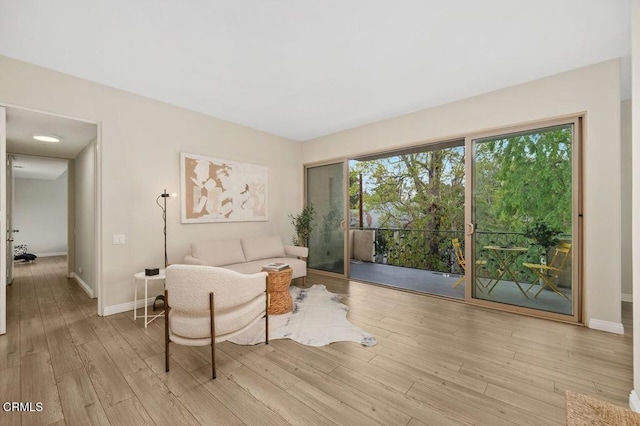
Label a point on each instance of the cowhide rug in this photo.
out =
(318, 318)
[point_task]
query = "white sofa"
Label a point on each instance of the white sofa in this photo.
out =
(248, 255)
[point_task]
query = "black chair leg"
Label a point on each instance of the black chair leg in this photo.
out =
(213, 337)
(266, 315)
(166, 331)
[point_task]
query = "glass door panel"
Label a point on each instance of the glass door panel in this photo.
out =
(326, 191)
(523, 192)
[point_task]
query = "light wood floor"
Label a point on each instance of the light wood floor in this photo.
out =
(437, 362)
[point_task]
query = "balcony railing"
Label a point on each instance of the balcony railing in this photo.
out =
(433, 250)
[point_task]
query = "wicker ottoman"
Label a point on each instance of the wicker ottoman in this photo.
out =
(281, 301)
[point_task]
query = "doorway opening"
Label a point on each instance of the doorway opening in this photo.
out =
(405, 209)
(51, 193)
(38, 204)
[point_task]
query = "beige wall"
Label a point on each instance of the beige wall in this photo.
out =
(40, 213)
(625, 167)
(141, 140)
(594, 90)
(85, 215)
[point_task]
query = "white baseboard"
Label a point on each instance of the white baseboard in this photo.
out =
(627, 297)
(634, 401)
(52, 254)
(126, 307)
(608, 326)
(84, 285)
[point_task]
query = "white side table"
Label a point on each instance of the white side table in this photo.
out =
(139, 277)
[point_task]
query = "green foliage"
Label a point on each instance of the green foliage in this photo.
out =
(420, 191)
(303, 224)
(519, 179)
(523, 178)
(380, 244)
(543, 234)
(354, 188)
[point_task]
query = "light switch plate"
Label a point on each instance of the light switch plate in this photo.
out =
(118, 239)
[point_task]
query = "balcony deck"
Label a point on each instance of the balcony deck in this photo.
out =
(440, 284)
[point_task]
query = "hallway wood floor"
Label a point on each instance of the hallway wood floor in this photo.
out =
(437, 362)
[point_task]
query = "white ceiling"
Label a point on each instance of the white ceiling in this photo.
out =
(302, 69)
(23, 124)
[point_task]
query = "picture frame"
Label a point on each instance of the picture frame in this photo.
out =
(219, 190)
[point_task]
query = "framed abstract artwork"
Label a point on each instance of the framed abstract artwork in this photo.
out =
(217, 190)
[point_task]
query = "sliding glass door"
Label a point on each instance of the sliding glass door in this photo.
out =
(518, 247)
(523, 213)
(325, 189)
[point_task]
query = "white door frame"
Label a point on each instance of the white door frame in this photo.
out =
(98, 219)
(3, 220)
(98, 207)
(10, 203)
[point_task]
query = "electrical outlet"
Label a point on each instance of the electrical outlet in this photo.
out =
(80, 269)
(118, 239)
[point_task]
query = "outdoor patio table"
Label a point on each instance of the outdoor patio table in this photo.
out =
(506, 256)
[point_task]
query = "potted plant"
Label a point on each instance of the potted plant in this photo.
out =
(544, 235)
(303, 224)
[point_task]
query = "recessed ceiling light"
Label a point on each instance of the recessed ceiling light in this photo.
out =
(47, 138)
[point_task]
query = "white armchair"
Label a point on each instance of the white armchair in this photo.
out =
(206, 304)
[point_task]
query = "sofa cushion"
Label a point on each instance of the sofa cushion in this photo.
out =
(218, 252)
(261, 248)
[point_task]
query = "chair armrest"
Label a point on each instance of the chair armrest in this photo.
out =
(190, 260)
(301, 252)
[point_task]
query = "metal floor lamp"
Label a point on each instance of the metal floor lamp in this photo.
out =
(163, 207)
